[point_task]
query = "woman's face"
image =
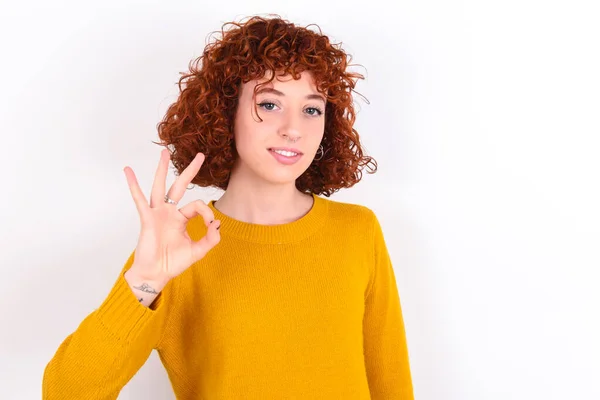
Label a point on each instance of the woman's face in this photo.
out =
(293, 117)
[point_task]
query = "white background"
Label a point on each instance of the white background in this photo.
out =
(483, 117)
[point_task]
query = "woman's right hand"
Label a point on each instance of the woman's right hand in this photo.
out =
(164, 249)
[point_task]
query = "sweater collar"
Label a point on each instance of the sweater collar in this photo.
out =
(275, 234)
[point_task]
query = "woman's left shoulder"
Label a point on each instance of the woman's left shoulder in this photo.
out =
(354, 212)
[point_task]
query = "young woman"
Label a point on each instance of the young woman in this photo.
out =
(271, 291)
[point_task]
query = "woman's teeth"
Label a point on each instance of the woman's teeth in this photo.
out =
(285, 153)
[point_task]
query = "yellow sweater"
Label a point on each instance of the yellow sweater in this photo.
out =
(303, 310)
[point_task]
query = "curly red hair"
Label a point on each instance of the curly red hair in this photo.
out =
(202, 118)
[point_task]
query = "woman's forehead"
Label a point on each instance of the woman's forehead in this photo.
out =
(280, 79)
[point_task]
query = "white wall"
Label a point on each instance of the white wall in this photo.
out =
(483, 117)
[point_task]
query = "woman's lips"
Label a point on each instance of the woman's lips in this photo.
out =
(286, 160)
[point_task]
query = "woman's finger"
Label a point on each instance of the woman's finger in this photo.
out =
(157, 195)
(136, 192)
(201, 247)
(180, 185)
(198, 207)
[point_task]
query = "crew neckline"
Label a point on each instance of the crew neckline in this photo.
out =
(274, 234)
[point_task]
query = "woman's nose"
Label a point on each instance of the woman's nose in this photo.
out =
(290, 127)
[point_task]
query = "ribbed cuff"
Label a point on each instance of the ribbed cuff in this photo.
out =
(123, 315)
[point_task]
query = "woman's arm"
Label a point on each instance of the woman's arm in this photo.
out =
(386, 350)
(110, 345)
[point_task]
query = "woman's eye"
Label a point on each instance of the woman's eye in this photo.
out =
(266, 105)
(315, 111)
(269, 106)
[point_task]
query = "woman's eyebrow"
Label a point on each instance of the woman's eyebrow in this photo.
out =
(279, 93)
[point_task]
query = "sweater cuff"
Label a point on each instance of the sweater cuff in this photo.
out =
(123, 315)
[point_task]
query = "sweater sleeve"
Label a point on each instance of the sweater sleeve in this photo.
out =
(110, 345)
(385, 347)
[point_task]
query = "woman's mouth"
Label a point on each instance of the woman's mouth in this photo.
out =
(285, 157)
